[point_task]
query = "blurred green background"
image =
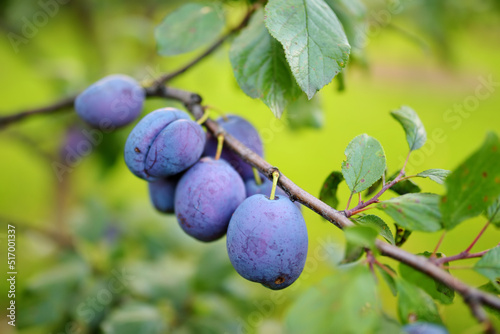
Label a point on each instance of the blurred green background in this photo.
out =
(430, 55)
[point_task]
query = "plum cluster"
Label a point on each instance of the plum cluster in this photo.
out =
(266, 238)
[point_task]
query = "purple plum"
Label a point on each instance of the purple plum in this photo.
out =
(110, 103)
(162, 193)
(424, 328)
(206, 197)
(76, 146)
(164, 143)
(267, 241)
(245, 132)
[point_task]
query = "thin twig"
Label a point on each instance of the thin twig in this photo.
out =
(349, 201)
(60, 105)
(477, 237)
(440, 241)
(67, 102)
(460, 256)
(374, 199)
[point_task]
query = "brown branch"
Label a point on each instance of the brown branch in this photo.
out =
(460, 256)
(374, 199)
(55, 107)
(472, 296)
(63, 241)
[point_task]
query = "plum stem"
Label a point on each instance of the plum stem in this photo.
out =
(438, 244)
(256, 175)
(276, 176)
(220, 144)
(203, 118)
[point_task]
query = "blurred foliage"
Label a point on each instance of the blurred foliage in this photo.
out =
(131, 270)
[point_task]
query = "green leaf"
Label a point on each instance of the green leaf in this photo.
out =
(260, 66)
(346, 302)
(365, 163)
(474, 185)
(352, 253)
(389, 279)
(406, 187)
(134, 318)
(416, 212)
(436, 174)
(403, 187)
(415, 304)
(357, 239)
(401, 235)
(388, 325)
(303, 113)
(212, 270)
(493, 213)
(378, 224)
(435, 289)
(415, 131)
(489, 266)
(47, 295)
(188, 28)
(315, 44)
(362, 236)
(328, 193)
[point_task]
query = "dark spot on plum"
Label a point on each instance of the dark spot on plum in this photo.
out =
(444, 199)
(183, 221)
(270, 215)
(137, 150)
(494, 148)
(485, 175)
(469, 207)
(279, 280)
(485, 199)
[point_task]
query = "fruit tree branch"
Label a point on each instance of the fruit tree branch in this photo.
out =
(60, 105)
(472, 296)
(67, 102)
(461, 256)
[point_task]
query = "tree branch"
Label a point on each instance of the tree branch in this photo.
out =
(472, 296)
(60, 105)
(460, 256)
(67, 102)
(374, 199)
